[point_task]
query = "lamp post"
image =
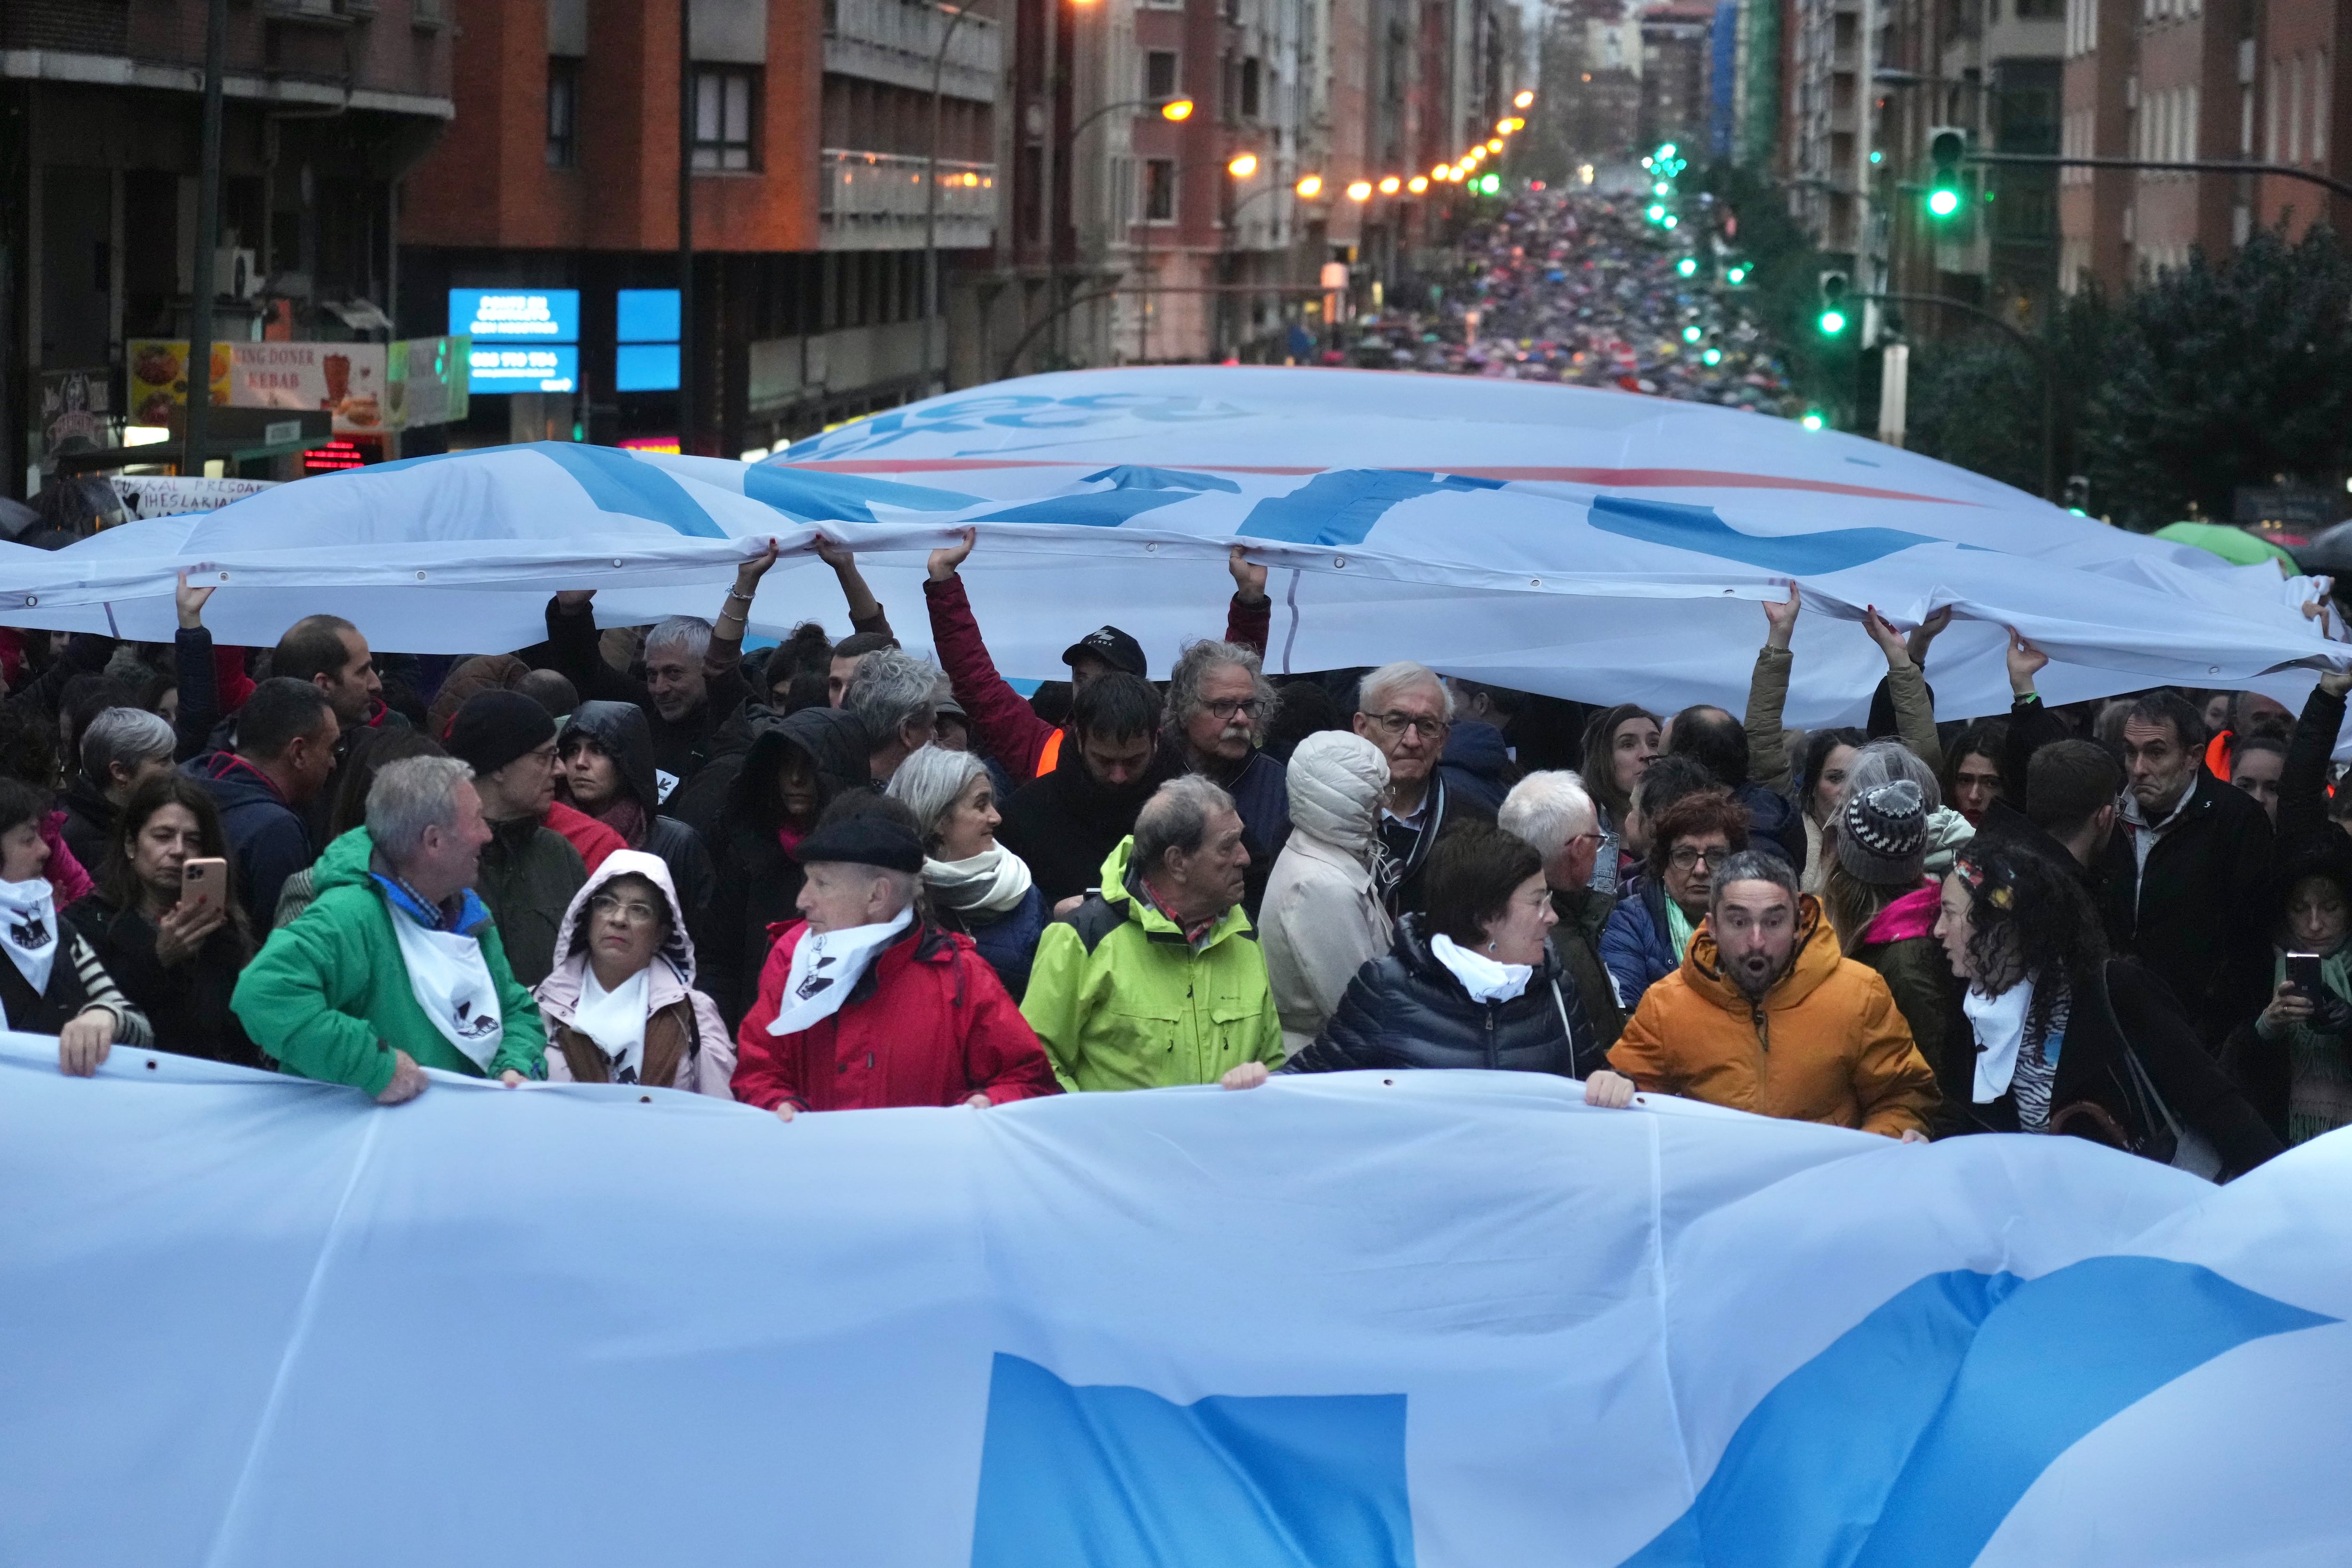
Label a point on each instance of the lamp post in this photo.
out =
(956, 14)
(1175, 109)
(194, 427)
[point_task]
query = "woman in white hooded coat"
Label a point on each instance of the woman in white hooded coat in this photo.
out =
(1323, 918)
(620, 1006)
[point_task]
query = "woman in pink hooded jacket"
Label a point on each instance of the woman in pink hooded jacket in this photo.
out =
(621, 1006)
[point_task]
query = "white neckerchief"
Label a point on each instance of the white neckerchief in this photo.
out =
(28, 929)
(451, 982)
(616, 1020)
(1998, 1024)
(826, 966)
(989, 883)
(1485, 979)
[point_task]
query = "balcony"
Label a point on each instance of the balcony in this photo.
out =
(875, 201)
(893, 41)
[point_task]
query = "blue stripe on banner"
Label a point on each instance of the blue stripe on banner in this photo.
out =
(1134, 491)
(1340, 507)
(619, 483)
(1907, 1441)
(1697, 529)
(1088, 1478)
(808, 497)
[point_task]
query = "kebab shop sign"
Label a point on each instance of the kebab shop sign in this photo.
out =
(347, 379)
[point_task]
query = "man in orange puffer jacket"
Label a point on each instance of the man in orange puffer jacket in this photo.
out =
(1765, 1015)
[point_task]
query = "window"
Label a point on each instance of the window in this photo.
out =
(723, 97)
(1251, 91)
(2319, 85)
(1160, 190)
(1160, 73)
(563, 113)
(2295, 110)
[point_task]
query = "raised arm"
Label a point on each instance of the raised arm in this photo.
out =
(1249, 619)
(1008, 728)
(1906, 687)
(865, 613)
(2303, 786)
(192, 655)
(2032, 726)
(572, 645)
(1767, 694)
(724, 656)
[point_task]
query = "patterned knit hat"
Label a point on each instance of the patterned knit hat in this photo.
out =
(1881, 835)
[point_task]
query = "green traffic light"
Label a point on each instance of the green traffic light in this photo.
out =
(1692, 335)
(1659, 189)
(1737, 275)
(1656, 212)
(1712, 356)
(1491, 183)
(1688, 265)
(1812, 420)
(1666, 150)
(1943, 201)
(1833, 323)
(1670, 220)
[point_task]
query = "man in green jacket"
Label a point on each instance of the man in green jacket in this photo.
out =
(1157, 979)
(396, 965)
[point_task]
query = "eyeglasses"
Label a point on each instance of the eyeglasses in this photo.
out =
(627, 911)
(1690, 855)
(1225, 708)
(1395, 724)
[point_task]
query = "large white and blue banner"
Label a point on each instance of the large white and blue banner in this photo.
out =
(1590, 544)
(1408, 1320)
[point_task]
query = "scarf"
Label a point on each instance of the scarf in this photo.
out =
(992, 883)
(1485, 979)
(29, 913)
(1679, 930)
(826, 966)
(627, 819)
(447, 972)
(616, 1020)
(1998, 1024)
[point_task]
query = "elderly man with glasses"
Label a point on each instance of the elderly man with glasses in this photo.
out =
(1218, 700)
(1405, 710)
(1555, 817)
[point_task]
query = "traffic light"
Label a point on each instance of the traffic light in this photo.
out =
(1736, 274)
(1832, 318)
(1813, 419)
(1947, 145)
(1687, 266)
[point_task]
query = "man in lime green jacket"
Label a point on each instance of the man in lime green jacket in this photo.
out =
(1157, 979)
(396, 965)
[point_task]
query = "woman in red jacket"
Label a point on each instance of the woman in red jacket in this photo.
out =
(864, 1002)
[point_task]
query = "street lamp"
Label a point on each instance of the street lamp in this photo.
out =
(1525, 99)
(1310, 186)
(1242, 165)
(1417, 185)
(1494, 145)
(1390, 185)
(1359, 190)
(1176, 110)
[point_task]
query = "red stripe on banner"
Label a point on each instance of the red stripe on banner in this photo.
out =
(1602, 478)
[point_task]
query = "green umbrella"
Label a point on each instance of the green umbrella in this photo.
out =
(2234, 545)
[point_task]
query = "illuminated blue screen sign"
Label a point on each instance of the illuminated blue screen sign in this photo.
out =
(519, 367)
(646, 328)
(515, 315)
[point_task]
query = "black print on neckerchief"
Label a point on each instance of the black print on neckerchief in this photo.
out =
(31, 934)
(473, 1028)
(817, 979)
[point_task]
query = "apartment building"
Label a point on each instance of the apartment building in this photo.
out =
(811, 130)
(327, 102)
(1828, 118)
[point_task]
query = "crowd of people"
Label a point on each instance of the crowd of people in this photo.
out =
(836, 875)
(1579, 286)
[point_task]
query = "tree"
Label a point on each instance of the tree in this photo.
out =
(1976, 395)
(2225, 375)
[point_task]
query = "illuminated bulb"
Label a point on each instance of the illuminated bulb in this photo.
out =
(1177, 108)
(1417, 185)
(1310, 186)
(1525, 101)
(1390, 185)
(1360, 191)
(1242, 166)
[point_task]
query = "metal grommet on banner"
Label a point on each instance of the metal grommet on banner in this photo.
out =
(224, 577)
(1338, 562)
(1152, 547)
(32, 600)
(616, 565)
(420, 576)
(1534, 581)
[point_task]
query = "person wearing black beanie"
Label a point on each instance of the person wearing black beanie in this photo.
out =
(529, 872)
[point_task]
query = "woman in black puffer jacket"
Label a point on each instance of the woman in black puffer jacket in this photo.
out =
(1472, 983)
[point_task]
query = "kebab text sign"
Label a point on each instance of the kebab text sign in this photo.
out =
(346, 379)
